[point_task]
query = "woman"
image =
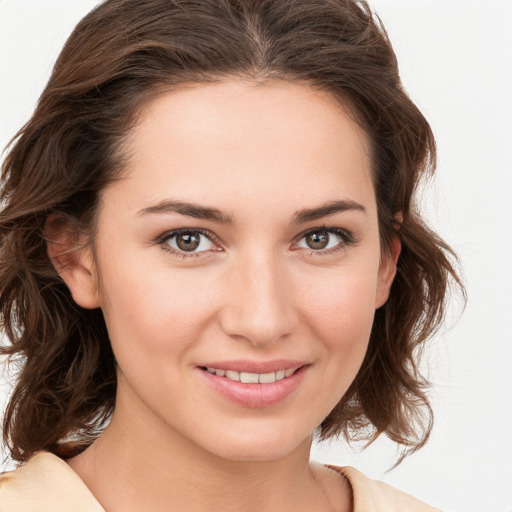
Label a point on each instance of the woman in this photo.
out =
(210, 252)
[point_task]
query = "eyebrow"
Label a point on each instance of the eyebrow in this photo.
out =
(189, 209)
(326, 210)
(215, 215)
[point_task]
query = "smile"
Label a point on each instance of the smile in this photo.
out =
(253, 378)
(260, 385)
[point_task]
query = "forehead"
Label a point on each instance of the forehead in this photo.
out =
(208, 142)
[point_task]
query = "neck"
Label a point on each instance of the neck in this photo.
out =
(138, 464)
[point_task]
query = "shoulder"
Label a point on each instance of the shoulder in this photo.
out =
(375, 496)
(46, 484)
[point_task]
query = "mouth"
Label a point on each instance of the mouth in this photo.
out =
(255, 384)
(253, 378)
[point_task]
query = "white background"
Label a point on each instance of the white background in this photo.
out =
(456, 62)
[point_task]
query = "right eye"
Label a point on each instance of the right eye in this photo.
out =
(187, 241)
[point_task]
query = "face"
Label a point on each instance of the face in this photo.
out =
(239, 265)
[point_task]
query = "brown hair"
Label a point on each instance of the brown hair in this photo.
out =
(121, 55)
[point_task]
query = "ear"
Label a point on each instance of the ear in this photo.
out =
(387, 271)
(73, 259)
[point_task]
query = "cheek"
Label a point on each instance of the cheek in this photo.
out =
(340, 315)
(341, 308)
(149, 312)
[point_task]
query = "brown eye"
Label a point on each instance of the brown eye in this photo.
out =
(189, 241)
(323, 240)
(318, 240)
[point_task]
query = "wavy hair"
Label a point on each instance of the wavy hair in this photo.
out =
(119, 57)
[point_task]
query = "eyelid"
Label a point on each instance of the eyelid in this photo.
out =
(347, 239)
(161, 240)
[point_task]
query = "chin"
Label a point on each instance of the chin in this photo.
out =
(263, 445)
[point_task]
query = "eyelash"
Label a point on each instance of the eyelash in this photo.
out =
(164, 238)
(346, 239)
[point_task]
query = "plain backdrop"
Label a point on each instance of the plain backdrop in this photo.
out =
(455, 58)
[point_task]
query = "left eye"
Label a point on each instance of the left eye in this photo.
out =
(189, 241)
(320, 240)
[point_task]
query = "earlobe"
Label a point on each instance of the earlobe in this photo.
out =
(387, 271)
(73, 259)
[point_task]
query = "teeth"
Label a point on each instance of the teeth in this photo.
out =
(219, 373)
(249, 378)
(267, 378)
(252, 378)
(231, 374)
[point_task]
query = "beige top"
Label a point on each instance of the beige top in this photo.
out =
(47, 484)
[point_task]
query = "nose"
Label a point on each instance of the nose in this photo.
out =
(259, 303)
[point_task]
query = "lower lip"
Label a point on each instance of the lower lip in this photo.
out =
(256, 395)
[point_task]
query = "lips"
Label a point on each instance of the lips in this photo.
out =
(253, 378)
(255, 384)
(249, 366)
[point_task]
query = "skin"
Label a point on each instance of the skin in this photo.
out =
(259, 154)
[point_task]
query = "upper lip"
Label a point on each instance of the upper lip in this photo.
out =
(255, 366)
